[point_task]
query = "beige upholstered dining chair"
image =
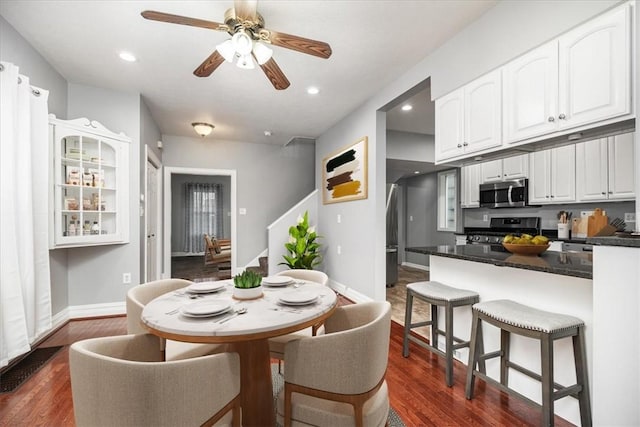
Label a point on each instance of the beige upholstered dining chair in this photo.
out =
(141, 295)
(310, 275)
(276, 345)
(122, 381)
(333, 378)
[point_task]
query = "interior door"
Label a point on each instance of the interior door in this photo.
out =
(152, 222)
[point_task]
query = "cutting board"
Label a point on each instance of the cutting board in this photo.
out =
(596, 222)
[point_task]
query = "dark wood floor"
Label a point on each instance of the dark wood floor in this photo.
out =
(416, 387)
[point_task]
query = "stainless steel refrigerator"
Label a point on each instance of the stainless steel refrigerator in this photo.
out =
(392, 234)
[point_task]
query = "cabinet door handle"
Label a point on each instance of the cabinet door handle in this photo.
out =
(552, 196)
(465, 144)
(551, 119)
(546, 197)
(459, 145)
(610, 192)
(562, 116)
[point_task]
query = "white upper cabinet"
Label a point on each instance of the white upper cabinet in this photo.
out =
(582, 77)
(90, 194)
(595, 70)
(530, 94)
(506, 169)
(470, 189)
(469, 119)
(605, 169)
(552, 175)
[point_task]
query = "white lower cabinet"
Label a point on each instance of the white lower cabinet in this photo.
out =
(552, 177)
(605, 169)
(470, 189)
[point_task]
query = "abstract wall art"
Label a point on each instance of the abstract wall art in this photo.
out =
(344, 173)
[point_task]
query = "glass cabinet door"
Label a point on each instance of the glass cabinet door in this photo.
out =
(88, 188)
(447, 200)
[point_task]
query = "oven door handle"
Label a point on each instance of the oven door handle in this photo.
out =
(509, 195)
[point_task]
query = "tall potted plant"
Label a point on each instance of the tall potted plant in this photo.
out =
(303, 252)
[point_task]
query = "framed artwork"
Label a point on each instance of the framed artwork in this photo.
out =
(344, 173)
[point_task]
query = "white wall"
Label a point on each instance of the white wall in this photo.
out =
(270, 179)
(15, 49)
(416, 147)
(95, 273)
(504, 32)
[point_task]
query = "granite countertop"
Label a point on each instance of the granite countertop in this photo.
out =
(564, 263)
(630, 241)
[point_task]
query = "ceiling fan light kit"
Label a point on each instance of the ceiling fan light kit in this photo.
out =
(248, 35)
(202, 129)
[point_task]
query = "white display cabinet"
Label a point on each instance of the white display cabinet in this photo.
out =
(90, 197)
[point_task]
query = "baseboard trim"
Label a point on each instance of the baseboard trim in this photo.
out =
(353, 295)
(96, 310)
(187, 254)
(418, 266)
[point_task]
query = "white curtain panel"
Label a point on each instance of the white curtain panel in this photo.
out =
(202, 214)
(25, 283)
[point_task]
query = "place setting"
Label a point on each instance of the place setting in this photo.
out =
(277, 281)
(205, 309)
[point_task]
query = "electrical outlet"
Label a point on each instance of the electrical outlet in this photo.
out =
(339, 249)
(629, 217)
(126, 278)
(485, 217)
(339, 218)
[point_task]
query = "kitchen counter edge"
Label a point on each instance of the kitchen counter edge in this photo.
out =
(550, 262)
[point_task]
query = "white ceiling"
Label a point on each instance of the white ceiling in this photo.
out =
(373, 43)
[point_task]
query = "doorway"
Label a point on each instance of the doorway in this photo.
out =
(173, 173)
(152, 217)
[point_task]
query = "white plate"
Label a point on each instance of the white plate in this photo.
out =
(295, 304)
(205, 287)
(205, 308)
(299, 297)
(277, 280)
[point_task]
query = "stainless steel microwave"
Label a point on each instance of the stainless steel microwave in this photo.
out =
(505, 194)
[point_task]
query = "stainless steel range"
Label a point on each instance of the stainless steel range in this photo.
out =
(500, 227)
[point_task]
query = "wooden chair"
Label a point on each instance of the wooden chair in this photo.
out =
(217, 252)
(339, 378)
(122, 380)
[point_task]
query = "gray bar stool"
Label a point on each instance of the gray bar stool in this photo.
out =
(545, 326)
(437, 294)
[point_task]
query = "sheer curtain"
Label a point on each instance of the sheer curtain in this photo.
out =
(25, 284)
(203, 214)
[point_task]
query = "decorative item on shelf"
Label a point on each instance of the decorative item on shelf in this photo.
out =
(73, 175)
(87, 179)
(70, 204)
(303, 250)
(86, 229)
(247, 285)
(95, 228)
(86, 204)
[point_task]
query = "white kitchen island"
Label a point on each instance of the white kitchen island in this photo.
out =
(608, 303)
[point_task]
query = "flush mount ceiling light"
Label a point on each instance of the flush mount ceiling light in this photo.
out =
(202, 129)
(407, 107)
(127, 56)
(313, 90)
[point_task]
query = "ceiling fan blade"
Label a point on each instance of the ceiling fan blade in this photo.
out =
(209, 65)
(245, 9)
(182, 20)
(275, 74)
(308, 46)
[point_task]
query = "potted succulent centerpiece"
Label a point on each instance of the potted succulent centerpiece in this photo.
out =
(248, 285)
(303, 251)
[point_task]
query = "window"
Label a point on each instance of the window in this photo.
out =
(447, 200)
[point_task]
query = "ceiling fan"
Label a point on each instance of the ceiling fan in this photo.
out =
(247, 43)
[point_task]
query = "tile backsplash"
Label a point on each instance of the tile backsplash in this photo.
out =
(548, 214)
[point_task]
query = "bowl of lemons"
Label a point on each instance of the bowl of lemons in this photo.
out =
(525, 244)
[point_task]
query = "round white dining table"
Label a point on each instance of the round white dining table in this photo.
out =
(247, 332)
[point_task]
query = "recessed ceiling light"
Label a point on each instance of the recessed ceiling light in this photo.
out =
(267, 133)
(407, 107)
(313, 90)
(127, 56)
(416, 172)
